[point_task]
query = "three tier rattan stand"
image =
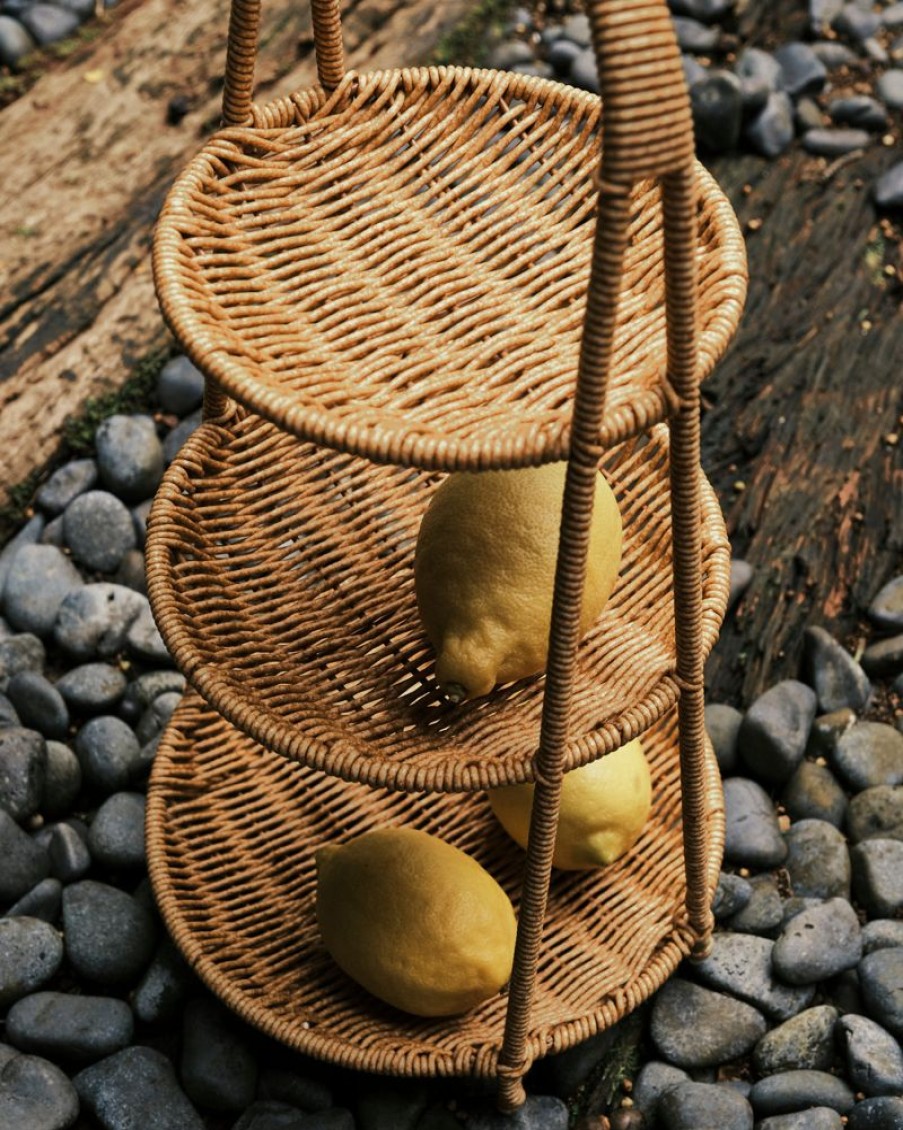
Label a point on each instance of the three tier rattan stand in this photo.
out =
(384, 278)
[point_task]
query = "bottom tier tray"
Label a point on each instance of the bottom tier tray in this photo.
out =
(231, 831)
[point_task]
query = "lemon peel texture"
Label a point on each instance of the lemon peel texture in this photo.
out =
(415, 921)
(484, 571)
(604, 808)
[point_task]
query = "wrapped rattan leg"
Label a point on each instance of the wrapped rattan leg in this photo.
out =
(679, 206)
(216, 403)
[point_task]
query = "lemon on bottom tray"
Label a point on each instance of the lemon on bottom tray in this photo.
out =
(415, 921)
(604, 808)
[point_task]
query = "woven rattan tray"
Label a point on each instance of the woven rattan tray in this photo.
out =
(231, 832)
(253, 529)
(397, 268)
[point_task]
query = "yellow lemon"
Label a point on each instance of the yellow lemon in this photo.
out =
(484, 570)
(604, 808)
(417, 922)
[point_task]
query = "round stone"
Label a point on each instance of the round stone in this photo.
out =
(129, 456)
(693, 1026)
(882, 933)
(813, 793)
(15, 42)
(47, 23)
(856, 22)
(20, 652)
(218, 1067)
(144, 642)
(180, 386)
(162, 990)
(835, 143)
(132, 573)
(71, 1028)
(805, 1042)
(93, 622)
(36, 1095)
(694, 36)
(43, 901)
(173, 443)
(687, 1106)
(827, 730)
(731, 895)
(98, 530)
(69, 855)
(40, 577)
(814, 1118)
(584, 72)
(62, 780)
(30, 534)
(132, 1080)
(116, 835)
(886, 609)
(110, 936)
(818, 862)
(881, 979)
(754, 63)
(874, 1057)
(818, 943)
(835, 676)
(796, 1090)
(752, 835)
(654, 1080)
(23, 767)
(109, 753)
(539, 1112)
(889, 88)
(717, 105)
(802, 72)
(742, 572)
(92, 687)
(888, 189)
(8, 715)
(775, 729)
(66, 484)
(878, 876)
(25, 862)
(31, 952)
(763, 913)
(742, 964)
(142, 691)
(722, 723)
(869, 754)
(307, 1092)
(39, 704)
(860, 111)
(876, 813)
(154, 720)
(876, 1114)
(884, 658)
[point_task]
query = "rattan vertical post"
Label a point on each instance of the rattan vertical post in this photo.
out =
(341, 266)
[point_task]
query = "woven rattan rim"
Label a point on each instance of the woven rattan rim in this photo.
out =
(227, 826)
(243, 538)
(455, 360)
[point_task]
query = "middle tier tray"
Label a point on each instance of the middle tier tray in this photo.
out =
(281, 578)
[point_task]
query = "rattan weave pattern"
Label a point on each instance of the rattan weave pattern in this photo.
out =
(281, 576)
(231, 832)
(398, 268)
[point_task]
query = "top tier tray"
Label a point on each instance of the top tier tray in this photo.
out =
(398, 268)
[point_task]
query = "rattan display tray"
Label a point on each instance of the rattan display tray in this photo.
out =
(231, 832)
(398, 268)
(281, 577)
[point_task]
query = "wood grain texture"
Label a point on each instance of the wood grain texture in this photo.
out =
(803, 412)
(86, 166)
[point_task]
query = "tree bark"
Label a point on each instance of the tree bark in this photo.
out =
(800, 432)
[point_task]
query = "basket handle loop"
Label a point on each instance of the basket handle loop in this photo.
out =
(241, 54)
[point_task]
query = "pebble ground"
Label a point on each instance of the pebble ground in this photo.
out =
(793, 1023)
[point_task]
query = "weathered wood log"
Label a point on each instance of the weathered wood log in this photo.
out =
(800, 437)
(88, 156)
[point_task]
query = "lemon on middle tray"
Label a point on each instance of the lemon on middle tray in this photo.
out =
(484, 572)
